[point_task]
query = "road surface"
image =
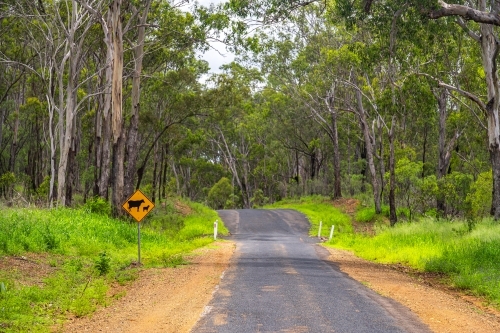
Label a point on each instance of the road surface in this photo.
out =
(280, 281)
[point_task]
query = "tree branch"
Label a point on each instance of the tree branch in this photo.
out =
(465, 12)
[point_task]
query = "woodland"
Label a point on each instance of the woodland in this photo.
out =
(394, 102)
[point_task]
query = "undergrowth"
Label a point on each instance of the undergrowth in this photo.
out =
(92, 251)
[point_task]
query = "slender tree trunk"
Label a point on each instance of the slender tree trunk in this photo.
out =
(443, 154)
(13, 146)
(369, 144)
(393, 218)
(337, 178)
(155, 174)
(105, 157)
(117, 197)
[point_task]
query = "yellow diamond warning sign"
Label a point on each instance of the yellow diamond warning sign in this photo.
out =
(138, 205)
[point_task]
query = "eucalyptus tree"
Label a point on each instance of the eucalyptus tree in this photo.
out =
(230, 134)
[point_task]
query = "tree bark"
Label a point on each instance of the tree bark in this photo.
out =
(489, 53)
(393, 217)
(369, 144)
(116, 108)
(337, 178)
(133, 132)
(444, 150)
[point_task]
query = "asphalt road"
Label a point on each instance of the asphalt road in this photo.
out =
(280, 281)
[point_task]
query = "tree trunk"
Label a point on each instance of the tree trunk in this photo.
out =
(444, 154)
(369, 144)
(489, 53)
(116, 107)
(393, 218)
(117, 197)
(133, 133)
(337, 185)
(13, 147)
(155, 174)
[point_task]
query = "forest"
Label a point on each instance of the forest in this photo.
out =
(394, 102)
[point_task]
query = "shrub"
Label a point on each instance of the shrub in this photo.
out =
(259, 199)
(102, 264)
(219, 193)
(98, 205)
(480, 195)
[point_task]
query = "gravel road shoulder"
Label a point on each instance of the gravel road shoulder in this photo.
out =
(444, 311)
(173, 299)
(162, 300)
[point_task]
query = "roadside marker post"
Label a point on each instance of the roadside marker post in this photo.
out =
(319, 230)
(215, 229)
(331, 232)
(138, 206)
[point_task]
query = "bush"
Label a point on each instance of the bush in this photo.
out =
(480, 196)
(219, 193)
(454, 188)
(98, 205)
(259, 199)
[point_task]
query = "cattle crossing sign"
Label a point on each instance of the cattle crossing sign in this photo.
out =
(138, 205)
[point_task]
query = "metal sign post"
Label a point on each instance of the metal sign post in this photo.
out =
(138, 206)
(139, 242)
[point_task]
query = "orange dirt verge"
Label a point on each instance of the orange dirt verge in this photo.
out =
(162, 300)
(444, 311)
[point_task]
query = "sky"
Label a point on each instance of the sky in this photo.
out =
(215, 59)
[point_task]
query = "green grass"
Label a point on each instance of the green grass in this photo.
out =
(470, 259)
(316, 209)
(88, 252)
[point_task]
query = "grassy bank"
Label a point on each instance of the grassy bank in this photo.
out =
(316, 209)
(469, 258)
(78, 254)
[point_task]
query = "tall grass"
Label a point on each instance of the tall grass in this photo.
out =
(470, 259)
(316, 209)
(89, 251)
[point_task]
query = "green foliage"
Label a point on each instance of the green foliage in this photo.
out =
(408, 183)
(98, 205)
(365, 215)
(258, 198)
(102, 263)
(218, 194)
(468, 257)
(7, 179)
(480, 196)
(454, 188)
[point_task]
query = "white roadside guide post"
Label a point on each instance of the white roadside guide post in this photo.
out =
(319, 230)
(215, 229)
(331, 232)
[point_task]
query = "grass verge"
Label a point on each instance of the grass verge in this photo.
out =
(316, 209)
(469, 258)
(80, 254)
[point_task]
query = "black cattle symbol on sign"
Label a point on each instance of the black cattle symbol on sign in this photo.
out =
(135, 204)
(145, 208)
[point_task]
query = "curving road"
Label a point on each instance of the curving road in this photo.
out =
(280, 281)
